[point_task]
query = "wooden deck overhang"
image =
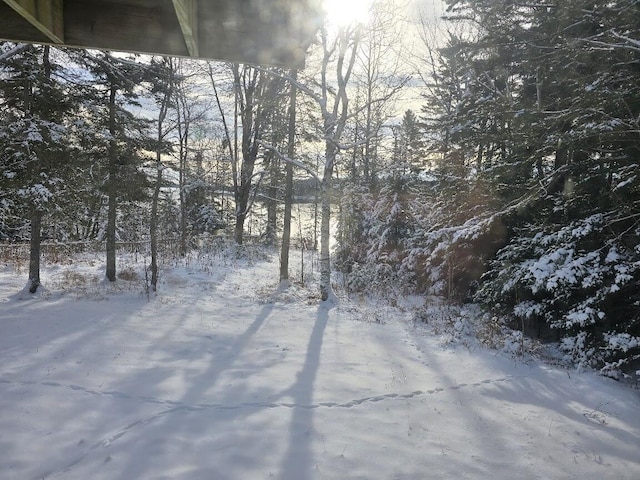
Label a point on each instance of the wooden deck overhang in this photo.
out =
(268, 32)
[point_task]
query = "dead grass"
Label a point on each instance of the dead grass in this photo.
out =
(128, 274)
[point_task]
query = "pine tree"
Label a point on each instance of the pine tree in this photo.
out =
(36, 142)
(551, 105)
(409, 149)
(117, 150)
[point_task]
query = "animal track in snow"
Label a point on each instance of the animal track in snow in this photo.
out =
(220, 406)
(176, 406)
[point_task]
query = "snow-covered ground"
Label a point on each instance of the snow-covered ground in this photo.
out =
(221, 377)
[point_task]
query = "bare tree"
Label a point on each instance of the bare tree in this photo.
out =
(381, 74)
(183, 125)
(330, 88)
(190, 112)
(256, 96)
(164, 85)
(288, 193)
(338, 59)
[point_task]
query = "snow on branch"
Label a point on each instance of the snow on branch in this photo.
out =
(627, 42)
(634, 43)
(287, 159)
(14, 51)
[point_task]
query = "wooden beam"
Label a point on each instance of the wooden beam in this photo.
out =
(45, 15)
(144, 26)
(267, 32)
(187, 13)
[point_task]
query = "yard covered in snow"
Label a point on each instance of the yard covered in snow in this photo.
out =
(220, 376)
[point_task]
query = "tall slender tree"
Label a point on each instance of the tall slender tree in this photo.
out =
(115, 80)
(164, 78)
(288, 192)
(339, 52)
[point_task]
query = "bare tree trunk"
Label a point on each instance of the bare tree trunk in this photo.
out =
(111, 236)
(333, 101)
(36, 215)
(326, 292)
(316, 201)
(183, 204)
(238, 232)
(271, 234)
(153, 227)
(334, 122)
(183, 138)
(153, 222)
(256, 98)
(245, 86)
(325, 258)
(34, 251)
(231, 143)
(286, 230)
(183, 126)
(112, 190)
(288, 192)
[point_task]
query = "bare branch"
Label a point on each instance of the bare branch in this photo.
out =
(287, 159)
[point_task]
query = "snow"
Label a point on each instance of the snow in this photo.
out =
(222, 375)
(624, 183)
(582, 317)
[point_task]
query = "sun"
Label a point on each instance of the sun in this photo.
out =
(346, 12)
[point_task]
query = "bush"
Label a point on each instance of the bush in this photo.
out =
(578, 283)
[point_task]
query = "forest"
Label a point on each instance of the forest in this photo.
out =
(489, 157)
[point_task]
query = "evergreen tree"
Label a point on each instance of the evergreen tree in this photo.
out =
(408, 144)
(116, 150)
(203, 209)
(36, 143)
(549, 111)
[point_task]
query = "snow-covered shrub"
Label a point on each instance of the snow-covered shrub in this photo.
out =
(619, 351)
(491, 331)
(206, 219)
(374, 237)
(380, 278)
(577, 283)
(351, 246)
(449, 261)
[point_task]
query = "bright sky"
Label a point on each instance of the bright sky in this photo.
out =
(344, 12)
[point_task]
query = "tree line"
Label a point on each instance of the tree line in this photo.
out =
(512, 182)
